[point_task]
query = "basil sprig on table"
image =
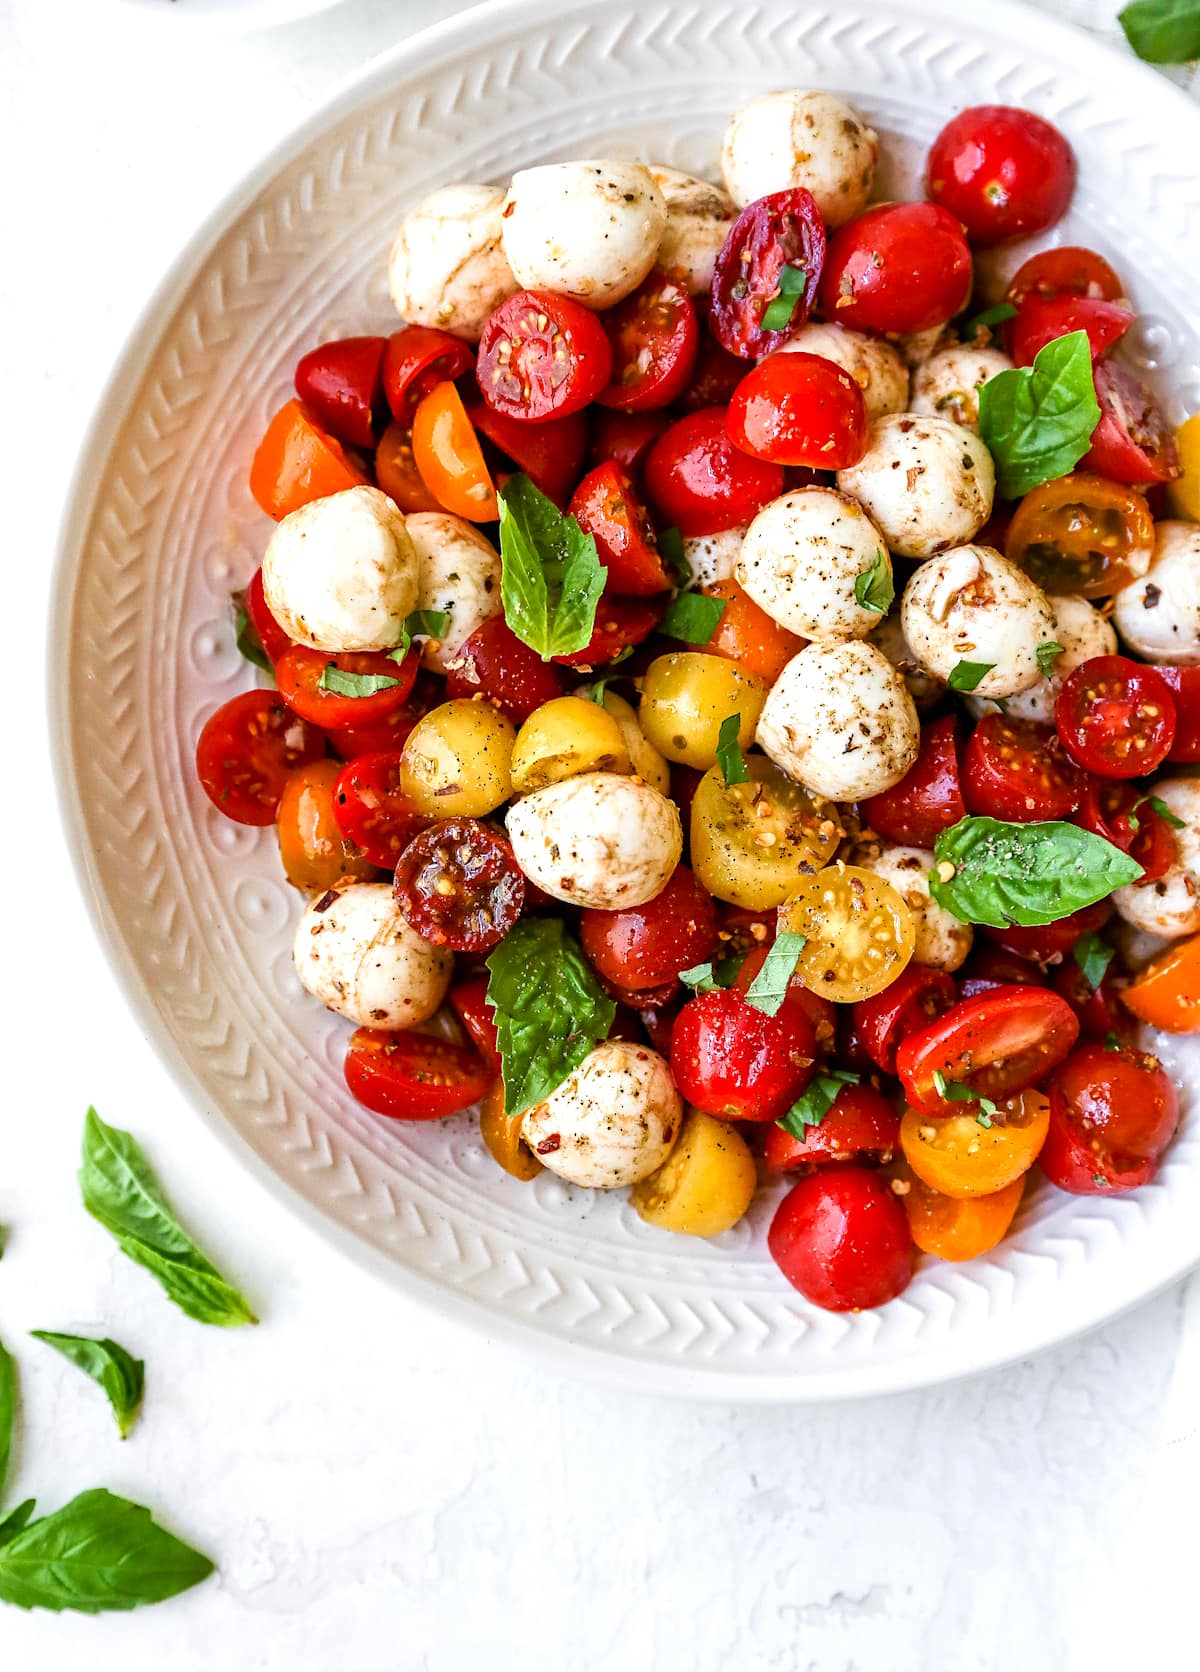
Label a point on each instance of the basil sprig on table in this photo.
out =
(8, 1410)
(550, 1010)
(1163, 31)
(992, 872)
(1037, 421)
(122, 1376)
(550, 575)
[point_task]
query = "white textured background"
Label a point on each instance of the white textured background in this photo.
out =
(383, 1492)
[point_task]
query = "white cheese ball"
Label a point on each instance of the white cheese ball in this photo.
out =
(839, 721)
(588, 230)
(924, 691)
(928, 483)
(942, 942)
(341, 573)
(794, 138)
(972, 605)
(915, 347)
(1158, 616)
(947, 385)
(713, 557)
(1083, 633)
(611, 1122)
(801, 558)
(448, 266)
(356, 952)
(1170, 907)
(597, 840)
(699, 216)
(873, 363)
(458, 572)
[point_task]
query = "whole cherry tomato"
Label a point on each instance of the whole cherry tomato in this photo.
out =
(1005, 173)
(397, 474)
(1048, 943)
(1132, 442)
(1081, 534)
(372, 811)
(997, 1044)
(897, 267)
(606, 506)
(1069, 270)
(297, 462)
(468, 1000)
(449, 457)
(929, 798)
(774, 252)
(733, 1060)
(246, 752)
(542, 356)
(305, 684)
(459, 886)
(416, 359)
(620, 623)
(1185, 688)
(859, 1125)
(913, 1000)
(497, 663)
(1116, 810)
(341, 386)
(699, 481)
(414, 1076)
(645, 946)
(655, 338)
(1016, 769)
(747, 635)
(841, 1237)
(1112, 1115)
(550, 453)
(270, 634)
(625, 437)
(799, 409)
(1042, 319)
(1116, 717)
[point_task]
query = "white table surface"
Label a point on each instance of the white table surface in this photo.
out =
(384, 1492)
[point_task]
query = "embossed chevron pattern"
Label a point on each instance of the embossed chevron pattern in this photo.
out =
(195, 909)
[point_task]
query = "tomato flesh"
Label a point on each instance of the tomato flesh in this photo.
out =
(1016, 769)
(270, 634)
(396, 471)
(1112, 1115)
(1005, 173)
(1081, 534)
(655, 338)
(415, 360)
(929, 798)
(1114, 809)
(897, 267)
(913, 1000)
(841, 1237)
(542, 356)
(997, 1044)
(747, 635)
(246, 752)
(458, 884)
(782, 229)
(297, 462)
(1115, 717)
(390, 733)
(413, 1076)
(625, 438)
(1132, 442)
(646, 946)
(468, 1000)
(449, 457)
(372, 811)
(606, 506)
(1185, 688)
(799, 409)
(620, 623)
(697, 480)
(1048, 943)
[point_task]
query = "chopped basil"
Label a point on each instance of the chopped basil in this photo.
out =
(769, 988)
(249, 643)
(729, 751)
(1093, 957)
(874, 589)
(954, 1091)
(1163, 31)
(998, 873)
(1047, 655)
(986, 319)
(1037, 421)
(345, 684)
(426, 624)
(1159, 806)
(692, 617)
(967, 676)
(1112, 1041)
(670, 549)
(815, 1102)
(780, 310)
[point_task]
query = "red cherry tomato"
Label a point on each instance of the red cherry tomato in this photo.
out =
(468, 1000)
(458, 884)
(495, 661)
(799, 409)
(270, 634)
(929, 798)
(246, 752)
(1116, 717)
(841, 1237)
(1040, 319)
(991, 966)
(414, 1076)
(1112, 1115)
(1116, 810)
(1185, 688)
(388, 734)
(1099, 1008)
(1067, 271)
(699, 481)
(372, 811)
(716, 376)
(606, 506)
(998, 1044)
(625, 437)
(341, 386)
(647, 946)
(542, 356)
(655, 338)
(416, 359)
(1048, 943)
(912, 1001)
(299, 673)
(732, 1060)
(620, 623)
(898, 267)
(550, 453)
(782, 229)
(860, 1124)
(1015, 769)
(1005, 173)
(1133, 442)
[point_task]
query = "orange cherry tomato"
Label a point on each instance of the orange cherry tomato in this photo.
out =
(959, 1229)
(1081, 534)
(502, 1135)
(747, 635)
(957, 1156)
(397, 474)
(311, 846)
(296, 463)
(1167, 992)
(449, 456)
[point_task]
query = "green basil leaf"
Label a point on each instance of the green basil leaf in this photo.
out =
(120, 1190)
(549, 1008)
(1037, 421)
(1112, 1041)
(1163, 31)
(353, 684)
(8, 1410)
(122, 1376)
(1047, 655)
(989, 871)
(429, 624)
(550, 575)
(692, 617)
(701, 978)
(815, 1102)
(670, 549)
(249, 643)
(966, 676)
(1160, 807)
(1093, 957)
(729, 751)
(874, 589)
(780, 310)
(17, 1518)
(954, 1091)
(986, 319)
(769, 988)
(596, 692)
(96, 1554)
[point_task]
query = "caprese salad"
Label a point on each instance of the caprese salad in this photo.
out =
(736, 690)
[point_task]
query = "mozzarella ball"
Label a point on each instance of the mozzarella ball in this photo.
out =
(839, 721)
(947, 385)
(597, 840)
(794, 138)
(889, 636)
(801, 558)
(713, 557)
(873, 363)
(458, 572)
(928, 483)
(915, 347)
(699, 216)
(942, 941)
(1083, 633)
(448, 266)
(972, 605)
(1158, 616)
(1170, 907)
(341, 573)
(588, 230)
(611, 1122)
(356, 952)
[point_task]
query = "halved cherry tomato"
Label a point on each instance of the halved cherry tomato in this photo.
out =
(647, 946)
(542, 356)
(959, 1229)
(246, 752)
(390, 733)
(372, 811)
(799, 409)
(1081, 534)
(897, 267)
(733, 1060)
(1132, 442)
(1016, 769)
(468, 1000)
(415, 360)
(397, 474)
(626, 437)
(747, 635)
(300, 670)
(296, 462)
(1167, 992)
(716, 376)
(1112, 1115)
(1099, 1008)
(502, 666)
(1185, 688)
(1117, 811)
(989, 967)
(1048, 943)
(458, 884)
(698, 480)
(340, 384)
(311, 846)
(913, 1000)
(655, 338)
(858, 932)
(501, 1134)
(1042, 319)
(550, 453)
(997, 1044)
(270, 634)
(859, 1125)
(1116, 717)
(929, 798)
(841, 1237)
(620, 623)
(1069, 270)
(449, 457)
(963, 1157)
(413, 1076)
(606, 506)
(778, 231)
(1004, 172)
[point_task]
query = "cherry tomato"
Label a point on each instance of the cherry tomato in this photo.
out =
(1099, 1008)
(655, 338)
(340, 384)
(468, 1000)
(799, 409)
(1115, 809)
(841, 1237)
(299, 673)
(858, 932)
(1042, 319)
(990, 966)
(246, 751)
(458, 884)
(1081, 534)
(501, 1134)
(897, 267)
(1016, 769)
(397, 474)
(1005, 173)
(747, 635)
(606, 506)
(311, 847)
(1185, 688)
(860, 1124)
(542, 356)
(372, 811)
(647, 946)
(1067, 271)
(620, 623)
(296, 462)
(413, 1076)
(550, 453)
(270, 634)
(1112, 1115)
(449, 457)
(698, 480)
(1116, 717)
(778, 231)
(929, 798)
(1167, 992)
(913, 1000)
(997, 1044)
(732, 1060)
(961, 1156)
(1133, 441)
(416, 359)
(1048, 943)
(511, 675)
(626, 437)
(716, 376)
(959, 1229)
(390, 733)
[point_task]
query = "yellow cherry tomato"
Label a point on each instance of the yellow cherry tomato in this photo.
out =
(449, 458)
(858, 933)
(502, 1135)
(686, 696)
(957, 1156)
(311, 846)
(644, 758)
(750, 842)
(564, 737)
(457, 761)
(705, 1184)
(1184, 492)
(959, 1228)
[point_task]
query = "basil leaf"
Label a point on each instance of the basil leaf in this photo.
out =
(954, 1091)
(966, 676)
(249, 643)
(780, 310)
(729, 751)
(989, 871)
(713, 978)
(17, 1518)
(120, 1190)
(986, 319)
(670, 549)
(122, 1376)
(8, 1410)
(596, 692)
(549, 1008)
(769, 988)
(1160, 807)
(96, 1554)
(353, 684)
(1093, 957)
(815, 1102)
(874, 589)
(692, 617)
(1047, 654)
(429, 624)
(550, 575)
(1037, 421)
(1163, 31)
(1112, 1041)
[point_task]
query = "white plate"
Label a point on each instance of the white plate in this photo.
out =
(231, 15)
(161, 526)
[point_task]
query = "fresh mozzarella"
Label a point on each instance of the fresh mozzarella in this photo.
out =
(699, 216)
(915, 347)
(972, 605)
(358, 954)
(713, 557)
(1170, 907)
(928, 483)
(588, 230)
(942, 942)
(889, 636)
(1083, 633)
(1158, 616)
(839, 720)
(611, 1122)
(341, 573)
(947, 385)
(597, 840)
(458, 572)
(794, 138)
(801, 558)
(448, 266)
(873, 364)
